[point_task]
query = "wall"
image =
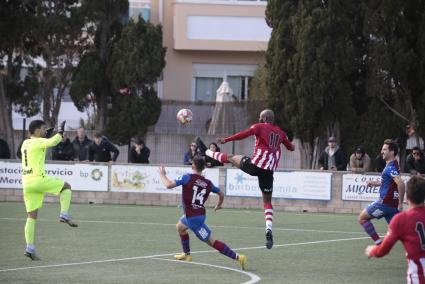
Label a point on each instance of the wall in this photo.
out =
(335, 205)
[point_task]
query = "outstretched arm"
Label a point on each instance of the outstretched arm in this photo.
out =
(238, 136)
(164, 179)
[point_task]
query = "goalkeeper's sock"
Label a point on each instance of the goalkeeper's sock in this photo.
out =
(219, 156)
(224, 249)
(185, 243)
(268, 215)
(29, 233)
(370, 230)
(65, 201)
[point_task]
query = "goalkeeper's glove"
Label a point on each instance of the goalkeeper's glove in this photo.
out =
(62, 128)
(49, 132)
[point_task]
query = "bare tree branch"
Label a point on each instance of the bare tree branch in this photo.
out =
(393, 110)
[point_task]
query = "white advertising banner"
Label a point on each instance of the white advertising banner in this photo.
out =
(137, 178)
(83, 177)
(290, 185)
(354, 187)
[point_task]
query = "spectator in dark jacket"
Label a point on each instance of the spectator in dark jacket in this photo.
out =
(100, 150)
(139, 153)
(210, 162)
(379, 164)
(332, 158)
(81, 146)
(415, 162)
(4, 149)
(188, 156)
(64, 151)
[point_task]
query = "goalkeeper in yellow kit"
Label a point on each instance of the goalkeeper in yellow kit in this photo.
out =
(36, 183)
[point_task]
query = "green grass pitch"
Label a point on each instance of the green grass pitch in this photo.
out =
(136, 244)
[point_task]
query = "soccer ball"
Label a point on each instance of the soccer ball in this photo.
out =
(184, 116)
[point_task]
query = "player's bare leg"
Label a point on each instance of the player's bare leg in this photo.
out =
(184, 238)
(29, 235)
(65, 201)
(364, 220)
(268, 216)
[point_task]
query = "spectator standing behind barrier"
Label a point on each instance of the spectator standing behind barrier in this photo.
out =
(210, 162)
(64, 151)
(100, 150)
(332, 158)
(139, 153)
(415, 162)
(359, 161)
(4, 149)
(81, 145)
(413, 139)
(379, 164)
(188, 156)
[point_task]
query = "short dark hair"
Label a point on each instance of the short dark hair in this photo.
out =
(416, 190)
(199, 163)
(392, 146)
(97, 135)
(139, 142)
(35, 124)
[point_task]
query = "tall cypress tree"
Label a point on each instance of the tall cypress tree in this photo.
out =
(311, 59)
(137, 61)
(106, 19)
(395, 60)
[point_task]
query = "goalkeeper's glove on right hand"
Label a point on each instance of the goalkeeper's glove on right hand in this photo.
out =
(62, 127)
(49, 132)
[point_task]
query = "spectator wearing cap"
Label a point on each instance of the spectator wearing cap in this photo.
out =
(332, 157)
(139, 153)
(415, 162)
(359, 161)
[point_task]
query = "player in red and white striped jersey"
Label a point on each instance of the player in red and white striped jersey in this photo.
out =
(409, 228)
(264, 161)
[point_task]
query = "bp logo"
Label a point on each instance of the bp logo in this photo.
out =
(96, 174)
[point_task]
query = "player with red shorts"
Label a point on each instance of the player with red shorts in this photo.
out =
(263, 162)
(409, 228)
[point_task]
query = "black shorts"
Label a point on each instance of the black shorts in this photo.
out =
(265, 177)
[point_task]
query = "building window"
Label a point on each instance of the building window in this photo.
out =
(140, 7)
(205, 88)
(207, 78)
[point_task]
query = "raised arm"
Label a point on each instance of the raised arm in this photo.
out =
(50, 142)
(164, 179)
(238, 136)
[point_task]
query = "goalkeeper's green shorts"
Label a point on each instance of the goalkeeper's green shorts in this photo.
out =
(35, 189)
